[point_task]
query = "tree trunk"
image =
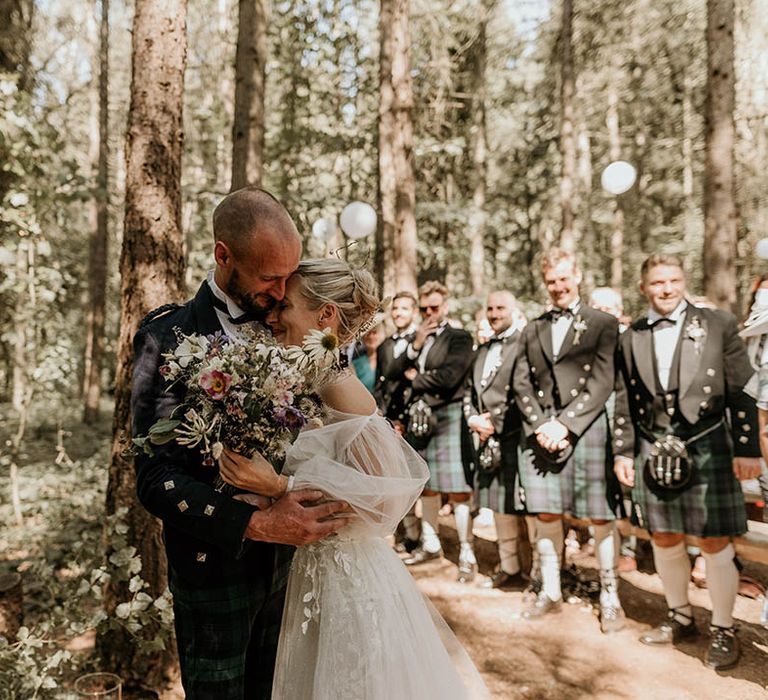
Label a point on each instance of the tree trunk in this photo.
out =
(250, 76)
(152, 273)
(719, 203)
(15, 38)
(11, 606)
(396, 238)
(567, 136)
(614, 150)
(479, 147)
(97, 253)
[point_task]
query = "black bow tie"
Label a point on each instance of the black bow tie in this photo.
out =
(662, 322)
(557, 313)
(247, 317)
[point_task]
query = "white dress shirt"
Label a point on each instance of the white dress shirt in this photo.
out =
(665, 338)
(561, 325)
(493, 356)
(401, 342)
(413, 354)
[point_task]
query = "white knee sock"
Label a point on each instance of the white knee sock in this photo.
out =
(411, 524)
(506, 538)
(674, 569)
(430, 509)
(549, 543)
(464, 531)
(606, 541)
(723, 584)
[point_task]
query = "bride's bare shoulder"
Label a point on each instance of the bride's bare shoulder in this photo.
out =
(349, 395)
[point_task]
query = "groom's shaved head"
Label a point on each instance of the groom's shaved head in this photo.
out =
(252, 216)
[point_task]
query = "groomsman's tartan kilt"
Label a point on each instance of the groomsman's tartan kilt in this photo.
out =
(217, 628)
(500, 491)
(443, 453)
(585, 488)
(713, 506)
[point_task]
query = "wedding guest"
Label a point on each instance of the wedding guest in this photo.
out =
(563, 378)
(365, 363)
(494, 421)
(439, 357)
(391, 387)
(686, 433)
(227, 563)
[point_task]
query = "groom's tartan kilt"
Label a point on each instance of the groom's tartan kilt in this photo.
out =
(216, 632)
(585, 488)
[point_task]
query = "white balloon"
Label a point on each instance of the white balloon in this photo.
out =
(761, 249)
(358, 220)
(618, 177)
(324, 229)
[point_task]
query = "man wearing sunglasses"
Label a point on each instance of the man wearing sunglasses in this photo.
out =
(439, 357)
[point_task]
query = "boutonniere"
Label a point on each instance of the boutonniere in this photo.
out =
(695, 332)
(579, 326)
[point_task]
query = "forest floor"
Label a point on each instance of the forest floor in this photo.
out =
(566, 657)
(562, 658)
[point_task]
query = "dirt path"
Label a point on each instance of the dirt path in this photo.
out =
(566, 657)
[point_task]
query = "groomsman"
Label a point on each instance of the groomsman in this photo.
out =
(391, 386)
(494, 420)
(439, 357)
(563, 378)
(686, 432)
(392, 361)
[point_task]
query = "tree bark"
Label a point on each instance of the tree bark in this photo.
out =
(11, 605)
(614, 150)
(15, 38)
(567, 136)
(152, 273)
(250, 77)
(479, 148)
(98, 244)
(719, 202)
(396, 238)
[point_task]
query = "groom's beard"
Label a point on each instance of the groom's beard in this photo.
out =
(254, 303)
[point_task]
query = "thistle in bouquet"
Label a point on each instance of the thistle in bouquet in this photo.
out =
(252, 396)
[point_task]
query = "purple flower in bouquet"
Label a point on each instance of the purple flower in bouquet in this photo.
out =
(216, 383)
(216, 341)
(289, 417)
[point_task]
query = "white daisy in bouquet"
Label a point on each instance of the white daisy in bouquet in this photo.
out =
(249, 397)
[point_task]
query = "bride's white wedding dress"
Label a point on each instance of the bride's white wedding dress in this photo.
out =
(355, 625)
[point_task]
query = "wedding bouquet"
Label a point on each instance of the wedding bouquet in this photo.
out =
(252, 396)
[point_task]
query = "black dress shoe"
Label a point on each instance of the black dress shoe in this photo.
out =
(406, 545)
(501, 579)
(671, 631)
(543, 605)
(724, 649)
(420, 555)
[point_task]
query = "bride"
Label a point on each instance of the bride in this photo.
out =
(355, 626)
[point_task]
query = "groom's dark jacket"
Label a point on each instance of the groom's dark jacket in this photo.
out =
(203, 529)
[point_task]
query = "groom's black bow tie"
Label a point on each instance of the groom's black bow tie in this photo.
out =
(246, 317)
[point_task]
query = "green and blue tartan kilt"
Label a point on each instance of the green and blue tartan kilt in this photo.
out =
(585, 488)
(443, 453)
(501, 491)
(227, 635)
(711, 506)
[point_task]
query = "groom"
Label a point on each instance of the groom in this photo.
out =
(227, 561)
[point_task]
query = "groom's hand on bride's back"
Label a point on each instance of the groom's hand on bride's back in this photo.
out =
(299, 517)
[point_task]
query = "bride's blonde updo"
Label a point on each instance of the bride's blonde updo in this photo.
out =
(354, 293)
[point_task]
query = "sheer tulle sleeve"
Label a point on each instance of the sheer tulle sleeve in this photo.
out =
(363, 461)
